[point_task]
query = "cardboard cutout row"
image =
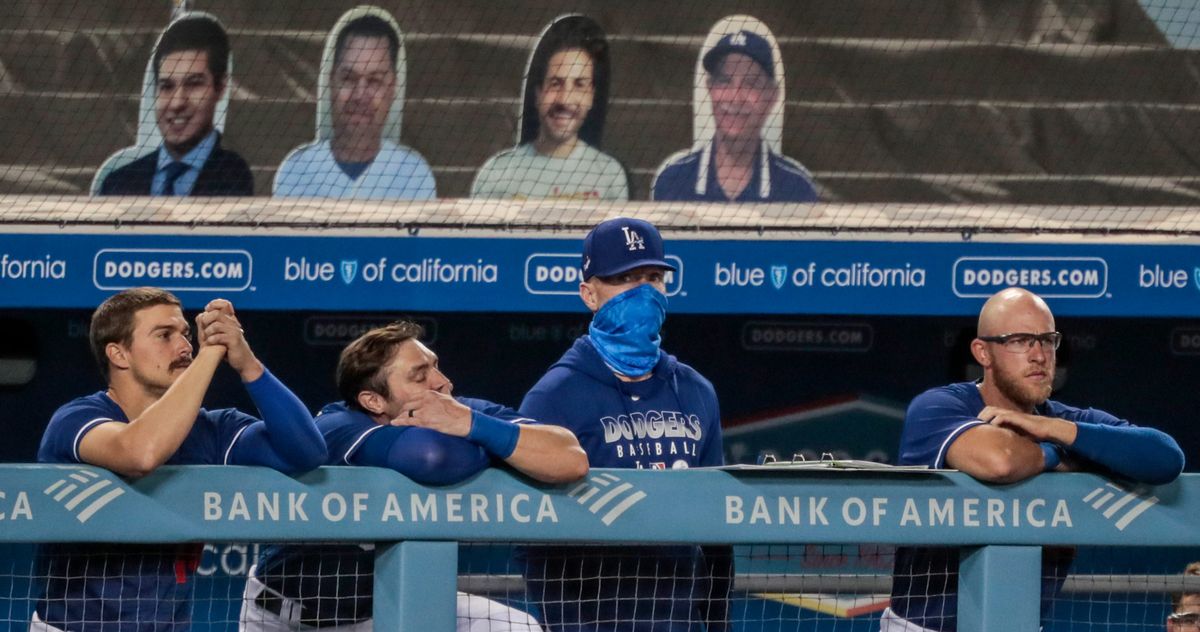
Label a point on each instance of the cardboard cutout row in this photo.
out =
(565, 102)
(181, 115)
(356, 153)
(737, 128)
(738, 101)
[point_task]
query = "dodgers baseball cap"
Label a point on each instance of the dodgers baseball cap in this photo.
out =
(748, 43)
(620, 245)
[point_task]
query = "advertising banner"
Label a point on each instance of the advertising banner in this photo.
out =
(543, 275)
(767, 505)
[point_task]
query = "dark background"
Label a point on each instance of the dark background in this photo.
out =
(1130, 367)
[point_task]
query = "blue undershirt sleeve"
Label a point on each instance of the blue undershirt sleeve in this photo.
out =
(287, 438)
(497, 436)
(1051, 455)
(1143, 454)
(426, 456)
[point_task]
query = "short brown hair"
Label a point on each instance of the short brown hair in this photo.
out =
(367, 26)
(197, 32)
(1177, 598)
(113, 320)
(360, 367)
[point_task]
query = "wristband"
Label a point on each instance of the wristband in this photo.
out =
(1052, 455)
(497, 436)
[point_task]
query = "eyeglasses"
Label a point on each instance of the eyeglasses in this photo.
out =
(1023, 342)
(1185, 618)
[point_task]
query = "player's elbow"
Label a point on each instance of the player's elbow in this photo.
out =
(443, 462)
(1168, 468)
(137, 466)
(998, 466)
(133, 472)
(432, 466)
(297, 464)
(309, 458)
(564, 467)
(575, 466)
(1161, 478)
(133, 460)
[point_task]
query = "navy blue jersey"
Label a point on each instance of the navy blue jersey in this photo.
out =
(124, 588)
(668, 421)
(209, 442)
(925, 580)
(693, 178)
(333, 584)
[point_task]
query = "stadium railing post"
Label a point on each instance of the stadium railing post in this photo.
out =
(999, 588)
(415, 586)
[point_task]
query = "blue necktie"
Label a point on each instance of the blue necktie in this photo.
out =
(173, 171)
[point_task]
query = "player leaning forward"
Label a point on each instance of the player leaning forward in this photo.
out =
(1005, 429)
(150, 415)
(399, 411)
(603, 389)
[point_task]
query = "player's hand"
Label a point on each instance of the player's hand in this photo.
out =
(436, 411)
(1035, 427)
(218, 325)
(204, 343)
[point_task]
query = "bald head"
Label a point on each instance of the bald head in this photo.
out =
(1016, 376)
(1007, 309)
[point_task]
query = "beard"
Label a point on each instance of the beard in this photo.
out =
(1027, 396)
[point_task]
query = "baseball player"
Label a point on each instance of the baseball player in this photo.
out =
(357, 153)
(399, 412)
(150, 415)
(738, 126)
(613, 388)
(566, 100)
(1004, 429)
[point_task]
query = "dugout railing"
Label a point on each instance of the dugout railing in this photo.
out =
(417, 529)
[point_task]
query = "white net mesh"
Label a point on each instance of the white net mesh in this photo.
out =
(775, 587)
(1085, 103)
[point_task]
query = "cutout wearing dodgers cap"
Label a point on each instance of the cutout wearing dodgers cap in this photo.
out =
(748, 43)
(620, 245)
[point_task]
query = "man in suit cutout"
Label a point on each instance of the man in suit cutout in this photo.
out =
(191, 69)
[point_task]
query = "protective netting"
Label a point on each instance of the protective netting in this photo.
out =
(1126, 589)
(522, 588)
(1089, 104)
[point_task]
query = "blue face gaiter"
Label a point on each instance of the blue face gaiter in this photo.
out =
(625, 330)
